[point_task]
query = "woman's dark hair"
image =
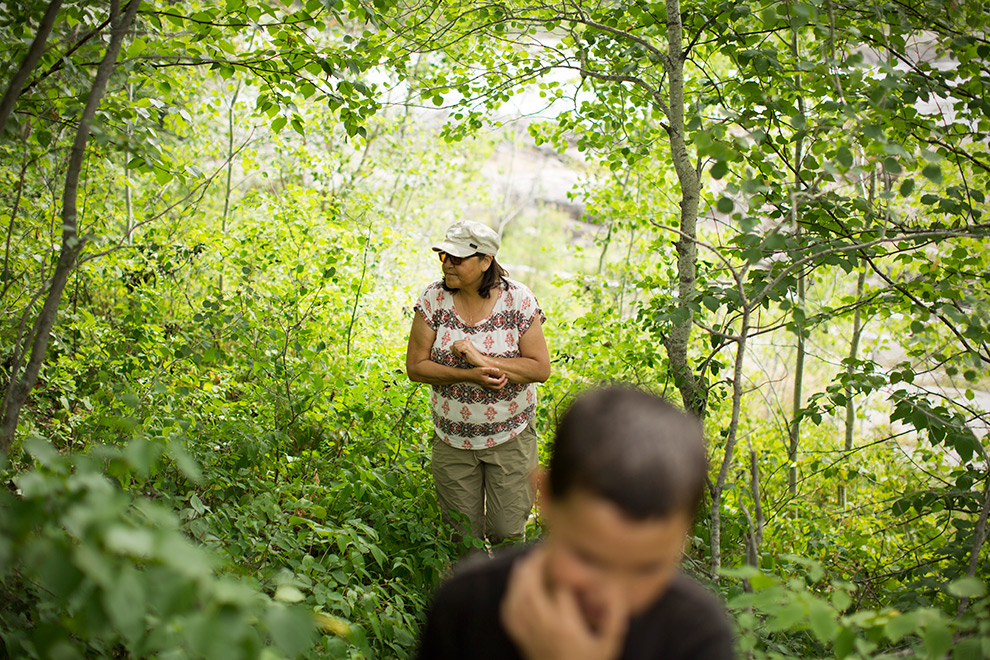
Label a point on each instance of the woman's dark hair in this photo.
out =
(631, 448)
(494, 276)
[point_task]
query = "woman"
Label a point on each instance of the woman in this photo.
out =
(477, 339)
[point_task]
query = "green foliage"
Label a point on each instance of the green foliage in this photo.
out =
(794, 617)
(230, 446)
(91, 570)
(329, 518)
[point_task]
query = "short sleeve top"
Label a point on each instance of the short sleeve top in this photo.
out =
(465, 415)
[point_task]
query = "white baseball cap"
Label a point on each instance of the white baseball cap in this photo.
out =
(466, 237)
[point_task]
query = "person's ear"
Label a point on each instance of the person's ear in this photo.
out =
(486, 262)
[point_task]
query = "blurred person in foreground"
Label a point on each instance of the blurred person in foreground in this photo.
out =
(477, 339)
(618, 498)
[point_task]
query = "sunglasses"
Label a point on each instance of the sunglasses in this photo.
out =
(455, 261)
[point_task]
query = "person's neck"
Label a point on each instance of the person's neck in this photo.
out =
(470, 295)
(471, 306)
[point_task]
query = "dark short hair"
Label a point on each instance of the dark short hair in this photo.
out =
(494, 276)
(632, 448)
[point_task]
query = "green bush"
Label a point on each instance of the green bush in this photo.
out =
(91, 570)
(787, 618)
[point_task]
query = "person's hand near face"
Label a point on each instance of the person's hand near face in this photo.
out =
(547, 621)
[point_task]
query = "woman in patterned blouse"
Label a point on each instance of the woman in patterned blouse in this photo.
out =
(477, 339)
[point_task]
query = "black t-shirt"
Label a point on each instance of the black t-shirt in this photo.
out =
(687, 622)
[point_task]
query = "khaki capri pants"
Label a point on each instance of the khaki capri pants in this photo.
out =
(490, 486)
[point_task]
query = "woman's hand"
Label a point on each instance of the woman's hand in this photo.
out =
(531, 366)
(422, 369)
(464, 349)
(486, 374)
(490, 378)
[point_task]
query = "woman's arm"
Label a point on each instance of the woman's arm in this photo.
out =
(532, 365)
(421, 369)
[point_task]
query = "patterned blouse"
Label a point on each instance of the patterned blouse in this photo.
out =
(466, 415)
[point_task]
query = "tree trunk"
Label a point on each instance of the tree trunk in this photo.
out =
(693, 393)
(22, 381)
(756, 522)
(979, 536)
(27, 66)
(128, 192)
(228, 187)
(794, 431)
(853, 355)
(730, 444)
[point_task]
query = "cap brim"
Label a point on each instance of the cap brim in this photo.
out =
(454, 249)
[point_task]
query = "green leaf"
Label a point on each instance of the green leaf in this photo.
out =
(142, 455)
(937, 638)
(184, 461)
(287, 593)
(377, 553)
(841, 599)
(181, 555)
(91, 561)
(163, 176)
(844, 643)
(823, 621)
(968, 587)
(785, 618)
(776, 242)
(125, 603)
(197, 504)
(769, 16)
(132, 541)
(42, 451)
(844, 156)
(901, 625)
(933, 173)
(725, 205)
(291, 629)
(907, 187)
(874, 132)
(969, 649)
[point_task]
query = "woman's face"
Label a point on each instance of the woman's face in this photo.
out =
(467, 274)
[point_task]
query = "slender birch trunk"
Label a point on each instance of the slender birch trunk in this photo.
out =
(730, 444)
(691, 389)
(847, 445)
(794, 429)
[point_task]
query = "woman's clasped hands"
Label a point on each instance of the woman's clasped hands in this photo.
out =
(486, 374)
